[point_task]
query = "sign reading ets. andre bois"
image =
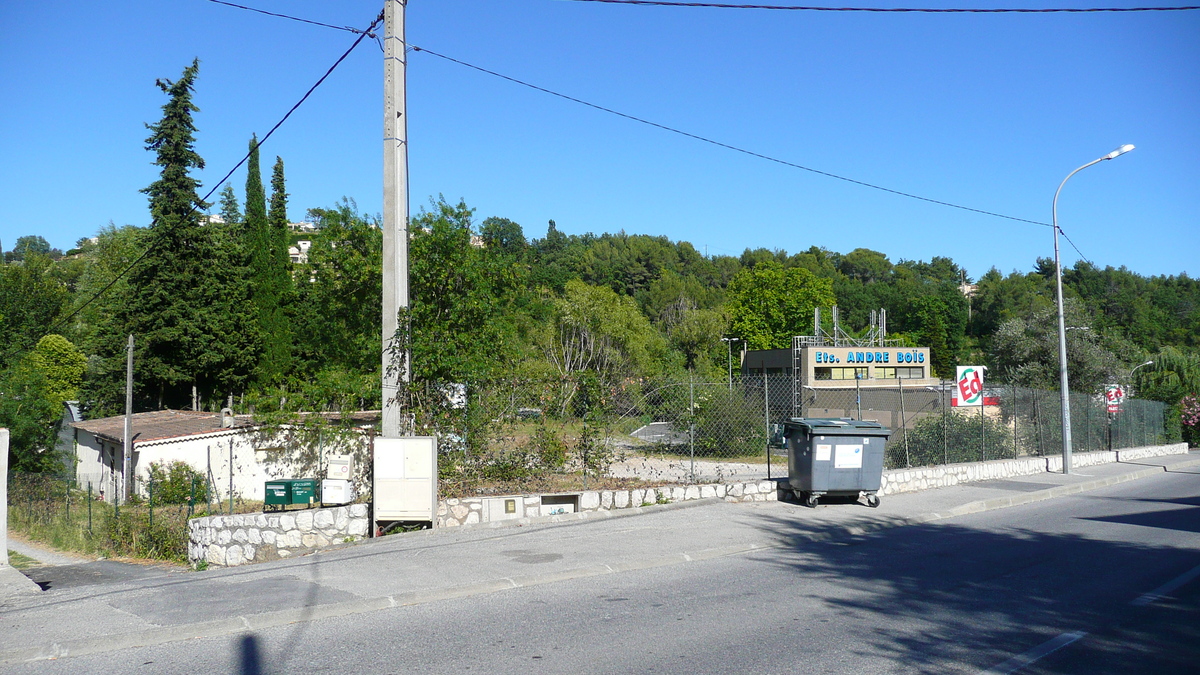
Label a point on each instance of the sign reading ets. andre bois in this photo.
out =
(968, 388)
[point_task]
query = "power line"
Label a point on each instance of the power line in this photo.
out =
(1081, 255)
(293, 18)
(361, 35)
(925, 10)
(723, 145)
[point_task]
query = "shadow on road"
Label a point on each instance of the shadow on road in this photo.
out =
(955, 594)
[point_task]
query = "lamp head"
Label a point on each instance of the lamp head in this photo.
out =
(1119, 151)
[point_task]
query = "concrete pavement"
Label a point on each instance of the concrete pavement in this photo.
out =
(82, 614)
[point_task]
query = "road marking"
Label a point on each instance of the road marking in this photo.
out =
(1039, 652)
(1167, 588)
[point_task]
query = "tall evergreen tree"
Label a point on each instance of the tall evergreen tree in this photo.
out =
(269, 264)
(231, 211)
(190, 330)
(277, 280)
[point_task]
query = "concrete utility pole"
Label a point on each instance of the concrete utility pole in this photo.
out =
(395, 211)
(128, 454)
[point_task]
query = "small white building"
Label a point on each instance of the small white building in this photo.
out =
(235, 453)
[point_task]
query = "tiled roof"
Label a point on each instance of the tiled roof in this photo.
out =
(160, 425)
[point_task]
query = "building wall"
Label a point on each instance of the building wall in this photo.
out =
(835, 367)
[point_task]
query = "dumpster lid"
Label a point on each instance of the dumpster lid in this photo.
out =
(837, 426)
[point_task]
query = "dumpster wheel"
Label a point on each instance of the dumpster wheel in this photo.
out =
(810, 500)
(872, 500)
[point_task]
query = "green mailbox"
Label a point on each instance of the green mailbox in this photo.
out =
(282, 492)
(304, 491)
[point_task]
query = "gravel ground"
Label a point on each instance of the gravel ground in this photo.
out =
(707, 471)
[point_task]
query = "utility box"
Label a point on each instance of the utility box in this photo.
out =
(288, 491)
(340, 467)
(337, 491)
(840, 457)
(406, 473)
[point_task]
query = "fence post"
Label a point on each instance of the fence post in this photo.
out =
(192, 499)
(67, 489)
(767, 420)
(1016, 410)
(692, 424)
(983, 424)
(89, 507)
(1037, 424)
(150, 499)
(231, 476)
(903, 426)
(945, 429)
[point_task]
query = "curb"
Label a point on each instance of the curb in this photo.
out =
(253, 622)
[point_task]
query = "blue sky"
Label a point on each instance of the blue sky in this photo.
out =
(986, 111)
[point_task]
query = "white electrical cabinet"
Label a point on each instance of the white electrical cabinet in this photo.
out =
(405, 478)
(337, 491)
(340, 467)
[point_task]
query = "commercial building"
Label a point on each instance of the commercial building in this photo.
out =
(835, 374)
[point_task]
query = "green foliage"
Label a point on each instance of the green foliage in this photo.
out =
(1025, 351)
(31, 299)
(965, 437)
(270, 266)
(769, 304)
(596, 330)
(30, 413)
(177, 483)
(462, 298)
(336, 317)
(181, 302)
(729, 423)
(62, 366)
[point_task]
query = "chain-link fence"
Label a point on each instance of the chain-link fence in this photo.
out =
(69, 513)
(518, 429)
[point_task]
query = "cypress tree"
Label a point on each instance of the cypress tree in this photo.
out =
(269, 265)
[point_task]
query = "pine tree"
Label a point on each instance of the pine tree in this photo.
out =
(231, 211)
(190, 325)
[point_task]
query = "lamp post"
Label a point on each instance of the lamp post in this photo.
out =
(1062, 328)
(1135, 369)
(729, 344)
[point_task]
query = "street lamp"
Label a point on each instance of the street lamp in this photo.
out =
(1062, 329)
(1135, 369)
(729, 343)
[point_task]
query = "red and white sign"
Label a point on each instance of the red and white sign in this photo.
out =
(1114, 396)
(968, 387)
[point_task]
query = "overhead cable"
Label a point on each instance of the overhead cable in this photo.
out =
(925, 10)
(350, 29)
(361, 35)
(727, 146)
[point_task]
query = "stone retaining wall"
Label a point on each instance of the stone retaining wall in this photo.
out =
(912, 480)
(473, 510)
(228, 541)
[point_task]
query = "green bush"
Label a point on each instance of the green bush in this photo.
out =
(174, 483)
(961, 439)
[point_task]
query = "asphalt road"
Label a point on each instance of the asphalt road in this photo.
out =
(1103, 582)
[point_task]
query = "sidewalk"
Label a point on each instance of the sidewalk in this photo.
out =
(93, 611)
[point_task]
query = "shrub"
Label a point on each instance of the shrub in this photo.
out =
(173, 484)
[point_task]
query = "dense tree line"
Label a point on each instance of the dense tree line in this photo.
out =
(218, 309)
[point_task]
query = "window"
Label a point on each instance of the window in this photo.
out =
(906, 373)
(839, 373)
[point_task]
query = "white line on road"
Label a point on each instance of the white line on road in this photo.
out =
(1039, 652)
(1167, 588)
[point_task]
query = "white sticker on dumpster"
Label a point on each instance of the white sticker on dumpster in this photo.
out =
(823, 452)
(848, 457)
